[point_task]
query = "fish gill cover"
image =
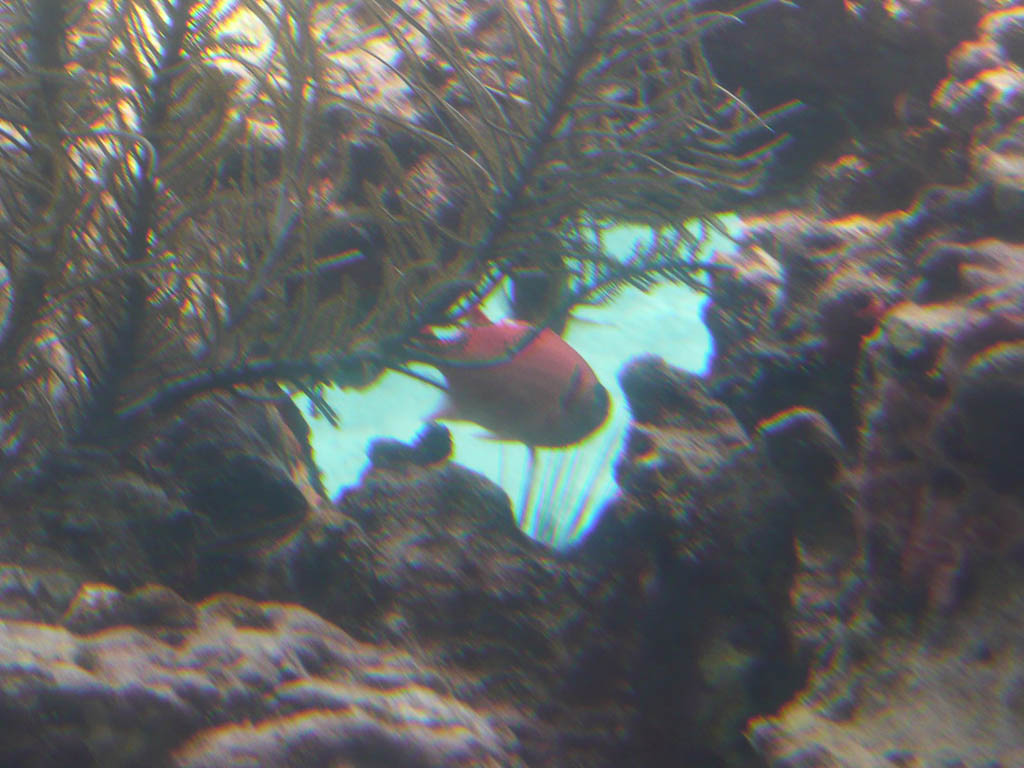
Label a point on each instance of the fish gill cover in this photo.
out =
(208, 196)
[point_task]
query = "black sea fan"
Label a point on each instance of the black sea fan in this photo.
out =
(201, 195)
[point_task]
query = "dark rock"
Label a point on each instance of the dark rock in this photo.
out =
(1006, 29)
(802, 445)
(714, 553)
(432, 445)
(235, 687)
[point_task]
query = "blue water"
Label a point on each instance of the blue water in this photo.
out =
(571, 485)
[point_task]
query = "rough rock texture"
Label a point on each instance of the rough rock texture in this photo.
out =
(658, 639)
(836, 507)
(224, 683)
(943, 399)
(718, 559)
(879, 359)
(194, 509)
(795, 340)
(949, 693)
(980, 105)
(863, 73)
(514, 623)
(923, 391)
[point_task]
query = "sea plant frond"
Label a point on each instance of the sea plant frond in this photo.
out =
(210, 194)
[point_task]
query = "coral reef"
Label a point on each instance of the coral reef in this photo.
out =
(863, 73)
(237, 197)
(792, 341)
(716, 557)
(950, 695)
(206, 207)
(942, 407)
(191, 508)
(879, 358)
(816, 555)
(570, 657)
(220, 683)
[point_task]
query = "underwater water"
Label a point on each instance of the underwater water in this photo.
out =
(570, 485)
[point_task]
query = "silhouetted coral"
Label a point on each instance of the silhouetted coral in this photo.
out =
(432, 444)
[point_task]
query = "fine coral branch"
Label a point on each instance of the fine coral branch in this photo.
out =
(224, 194)
(29, 274)
(557, 107)
(122, 349)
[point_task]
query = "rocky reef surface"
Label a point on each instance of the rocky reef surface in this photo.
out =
(876, 350)
(817, 555)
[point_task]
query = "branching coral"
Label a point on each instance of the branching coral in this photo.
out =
(212, 194)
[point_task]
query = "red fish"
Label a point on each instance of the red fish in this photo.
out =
(544, 395)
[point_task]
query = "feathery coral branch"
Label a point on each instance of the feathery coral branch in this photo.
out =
(206, 195)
